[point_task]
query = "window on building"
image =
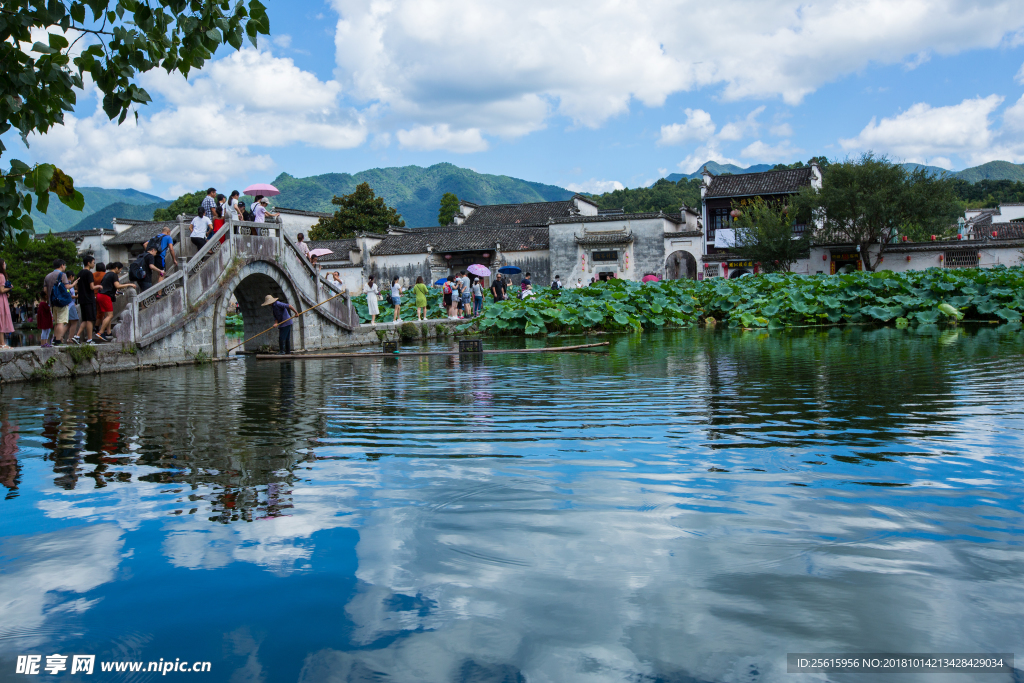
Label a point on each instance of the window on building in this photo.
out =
(960, 259)
(718, 218)
(605, 256)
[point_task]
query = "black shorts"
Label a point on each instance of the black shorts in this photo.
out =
(447, 300)
(87, 311)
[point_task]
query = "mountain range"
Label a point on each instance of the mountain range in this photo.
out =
(993, 170)
(413, 190)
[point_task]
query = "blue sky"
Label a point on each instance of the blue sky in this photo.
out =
(587, 96)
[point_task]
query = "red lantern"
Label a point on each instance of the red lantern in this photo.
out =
(735, 213)
(824, 257)
(933, 238)
(994, 233)
(486, 255)
(959, 237)
(940, 258)
(908, 258)
(448, 257)
(904, 238)
(881, 258)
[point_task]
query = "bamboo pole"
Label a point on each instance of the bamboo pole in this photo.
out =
(284, 321)
(414, 354)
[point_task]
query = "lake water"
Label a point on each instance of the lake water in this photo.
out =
(683, 507)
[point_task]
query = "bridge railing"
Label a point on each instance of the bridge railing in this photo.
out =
(200, 274)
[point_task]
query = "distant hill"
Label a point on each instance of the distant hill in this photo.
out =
(413, 190)
(59, 217)
(103, 217)
(993, 170)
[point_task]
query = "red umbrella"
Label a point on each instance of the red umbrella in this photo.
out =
(651, 278)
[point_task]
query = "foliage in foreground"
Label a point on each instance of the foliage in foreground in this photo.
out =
(775, 300)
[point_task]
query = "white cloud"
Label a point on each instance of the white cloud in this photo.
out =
(1020, 75)
(505, 68)
(759, 151)
(205, 131)
(737, 130)
(923, 132)
(1013, 117)
(782, 130)
(595, 186)
(442, 137)
(698, 126)
(282, 40)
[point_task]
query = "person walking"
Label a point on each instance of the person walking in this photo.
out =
(371, 291)
(420, 290)
(284, 314)
(87, 289)
(210, 202)
(498, 288)
(164, 246)
(58, 279)
(201, 227)
(396, 299)
(478, 297)
(6, 322)
(300, 242)
(44, 321)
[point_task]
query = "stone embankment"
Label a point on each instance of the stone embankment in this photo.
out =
(36, 364)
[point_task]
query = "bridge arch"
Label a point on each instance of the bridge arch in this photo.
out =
(250, 286)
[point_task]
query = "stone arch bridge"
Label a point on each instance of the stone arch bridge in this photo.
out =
(183, 316)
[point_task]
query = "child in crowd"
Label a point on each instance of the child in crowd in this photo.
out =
(44, 320)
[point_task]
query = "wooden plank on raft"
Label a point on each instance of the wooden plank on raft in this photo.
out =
(409, 354)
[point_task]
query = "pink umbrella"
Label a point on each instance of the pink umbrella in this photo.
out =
(650, 278)
(263, 189)
(320, 252)
(477, 269)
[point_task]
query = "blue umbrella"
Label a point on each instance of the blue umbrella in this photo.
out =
(510, 270)
(441, 281)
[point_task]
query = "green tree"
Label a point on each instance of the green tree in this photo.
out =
(361, 211)
(187, 204)
(449, 207)
(764, 233)
(120, 40)
(664, 195)
(872, 200)
(27, 265)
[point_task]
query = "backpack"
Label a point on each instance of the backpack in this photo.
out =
(247, 215)
(135, 271)
(556, 285)
(59, 295)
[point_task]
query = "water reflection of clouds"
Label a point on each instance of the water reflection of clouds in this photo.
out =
(43, 574)
(607, 593)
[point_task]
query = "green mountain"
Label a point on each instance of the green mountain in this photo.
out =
(413, 190)
(59, 217)
(103, 217)
(993, 170)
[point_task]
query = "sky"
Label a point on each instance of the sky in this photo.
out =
(588, 96)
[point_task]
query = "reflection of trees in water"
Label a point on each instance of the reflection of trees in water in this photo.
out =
(232, 439)
(863, 387)
(10, 470)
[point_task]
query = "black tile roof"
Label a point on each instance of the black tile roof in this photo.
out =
(789, 181)
(74, 234)
(593, 239)
(302, 212)
(538, 213)
(140, 231)
(463, 238)
(674, 217)
(1006, 231)
(341, 248)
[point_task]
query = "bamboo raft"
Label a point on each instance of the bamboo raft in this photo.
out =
(318, 356)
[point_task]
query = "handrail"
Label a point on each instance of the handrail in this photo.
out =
(208, 247)
(163, 284)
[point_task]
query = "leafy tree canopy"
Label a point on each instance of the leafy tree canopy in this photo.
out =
(449, 207)
(874, 200)
(27, 265)
(764, 233)
(187, 204)
(823, 164)
(664, 195)
(989, 193)
(111, 43)
(361, 211)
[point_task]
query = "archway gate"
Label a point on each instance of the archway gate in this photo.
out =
(185, 313)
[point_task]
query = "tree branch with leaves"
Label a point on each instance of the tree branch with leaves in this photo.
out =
(40, 80)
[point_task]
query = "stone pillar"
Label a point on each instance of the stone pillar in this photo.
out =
(183, 267)
(132, 309)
